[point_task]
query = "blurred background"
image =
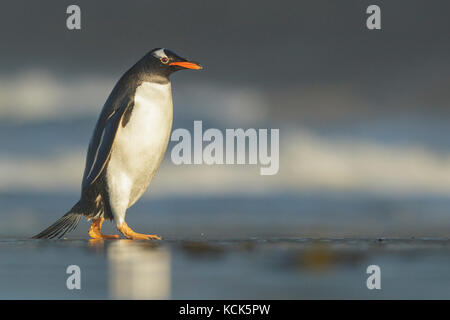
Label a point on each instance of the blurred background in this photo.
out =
(363, 115)
(364, 151)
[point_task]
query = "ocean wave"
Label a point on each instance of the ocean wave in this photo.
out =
(307, 162)
(40, 95)
(36, 95)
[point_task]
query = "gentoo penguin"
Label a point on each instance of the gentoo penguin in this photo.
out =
(127, 146)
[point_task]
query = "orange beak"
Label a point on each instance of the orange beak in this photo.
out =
(187, 65)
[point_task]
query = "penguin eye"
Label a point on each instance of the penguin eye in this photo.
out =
(164, 60)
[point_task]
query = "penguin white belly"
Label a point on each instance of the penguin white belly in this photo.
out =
(139, 146)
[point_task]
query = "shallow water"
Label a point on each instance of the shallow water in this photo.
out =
(275, 268)
(289, 246)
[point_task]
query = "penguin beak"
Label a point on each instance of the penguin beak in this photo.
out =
(187, 65)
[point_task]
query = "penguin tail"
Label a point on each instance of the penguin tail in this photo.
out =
(66, 223)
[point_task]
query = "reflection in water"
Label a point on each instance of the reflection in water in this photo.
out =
(138, 270)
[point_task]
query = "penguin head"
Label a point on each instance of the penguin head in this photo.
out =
(164, 62)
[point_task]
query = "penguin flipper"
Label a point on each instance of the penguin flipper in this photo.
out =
(99, 152)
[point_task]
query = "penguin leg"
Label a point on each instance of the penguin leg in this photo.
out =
(130, 234)
(119, 187)
(95, 230)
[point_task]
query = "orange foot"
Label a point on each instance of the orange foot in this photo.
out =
(95, 230)
(130, 234)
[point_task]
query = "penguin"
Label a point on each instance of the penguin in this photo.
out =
(126, 148)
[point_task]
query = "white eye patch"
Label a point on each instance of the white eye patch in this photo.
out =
(160, 53)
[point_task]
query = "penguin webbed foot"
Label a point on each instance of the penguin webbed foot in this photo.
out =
(95, 231)
(130, 234)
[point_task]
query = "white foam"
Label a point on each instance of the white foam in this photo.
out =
(307, 162)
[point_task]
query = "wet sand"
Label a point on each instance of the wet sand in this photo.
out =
(254, 268)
